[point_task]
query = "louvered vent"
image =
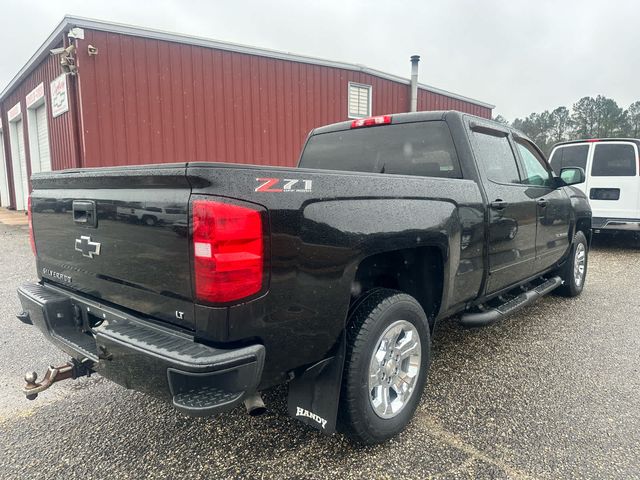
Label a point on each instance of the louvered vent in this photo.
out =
(359, 100)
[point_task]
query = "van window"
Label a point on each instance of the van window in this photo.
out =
(421, 148)
(614, 160)
(569, 156)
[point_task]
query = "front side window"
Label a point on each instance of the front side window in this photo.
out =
(569, 156)
(496, 157)
(614, 160)
(535, 170)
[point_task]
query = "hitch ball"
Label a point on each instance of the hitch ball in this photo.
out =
(72, 369)
(30, 378)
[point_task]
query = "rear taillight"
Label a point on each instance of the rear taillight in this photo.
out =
(228, 250)
(30, 215)
(371, 121)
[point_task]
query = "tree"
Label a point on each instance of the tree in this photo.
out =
(500, 119)
(610, 118)
(589, 118)
(538, 127)
(633, 120)
(584, 118)
(560, 123)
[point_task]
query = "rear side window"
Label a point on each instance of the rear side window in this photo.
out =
(614, 160)
(497, 158)
(569, 156)
(422, 149)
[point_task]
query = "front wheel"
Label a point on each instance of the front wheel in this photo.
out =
(388, 356)
(574, 271)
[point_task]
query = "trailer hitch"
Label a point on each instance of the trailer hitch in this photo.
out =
(73, 369)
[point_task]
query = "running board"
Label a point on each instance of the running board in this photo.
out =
(489, 316)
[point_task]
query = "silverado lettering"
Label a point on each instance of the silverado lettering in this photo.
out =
(56, 275)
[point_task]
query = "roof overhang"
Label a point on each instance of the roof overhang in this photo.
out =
(69, 22)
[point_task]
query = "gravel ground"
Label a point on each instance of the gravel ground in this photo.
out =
(552, 392)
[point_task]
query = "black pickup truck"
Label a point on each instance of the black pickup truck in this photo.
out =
(206, 283)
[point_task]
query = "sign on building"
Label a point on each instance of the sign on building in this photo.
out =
(35, 95)
(59, 98)
(14, 112)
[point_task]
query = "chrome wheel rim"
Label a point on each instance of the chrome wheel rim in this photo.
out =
(579, 264)
(394, 369)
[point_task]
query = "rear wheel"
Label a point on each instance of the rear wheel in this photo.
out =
(149, 220)
(574, 271)
(388, 356)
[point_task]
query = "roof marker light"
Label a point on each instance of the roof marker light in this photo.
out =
(371, 121)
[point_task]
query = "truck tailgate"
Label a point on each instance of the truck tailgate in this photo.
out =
(118, 235)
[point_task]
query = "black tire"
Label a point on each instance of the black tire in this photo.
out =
(369, 318)
(149, 220)
(571, 287)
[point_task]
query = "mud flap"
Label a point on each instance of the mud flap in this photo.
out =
(315, 393)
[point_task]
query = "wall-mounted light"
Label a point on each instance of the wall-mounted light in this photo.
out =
(92, 51)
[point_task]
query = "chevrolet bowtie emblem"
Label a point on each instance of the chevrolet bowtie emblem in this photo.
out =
(88, 248)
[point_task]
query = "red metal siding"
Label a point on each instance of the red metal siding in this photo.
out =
(434, 101)
(61, 129)
(149, 101)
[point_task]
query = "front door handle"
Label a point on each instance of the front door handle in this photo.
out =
(542, 202)
(499, 204)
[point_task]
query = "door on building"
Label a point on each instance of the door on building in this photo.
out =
(4, 180)
(39, 138)
(19, 163)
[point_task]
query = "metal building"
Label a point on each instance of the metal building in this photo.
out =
(104, 94)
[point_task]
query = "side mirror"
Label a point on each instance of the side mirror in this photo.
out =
(572, 175)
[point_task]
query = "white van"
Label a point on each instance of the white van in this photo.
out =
(612, 179)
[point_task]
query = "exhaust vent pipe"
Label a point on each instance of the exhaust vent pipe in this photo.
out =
(413, 107)
(254, 404)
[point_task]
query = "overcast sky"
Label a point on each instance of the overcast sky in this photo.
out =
(520, 56)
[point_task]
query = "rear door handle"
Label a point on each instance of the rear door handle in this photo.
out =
(542, 202)
(499, 204)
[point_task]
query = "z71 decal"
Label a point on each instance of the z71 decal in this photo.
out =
(276, 185)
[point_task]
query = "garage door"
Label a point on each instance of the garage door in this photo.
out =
(20, 176)
(42, 132)
(4, 181)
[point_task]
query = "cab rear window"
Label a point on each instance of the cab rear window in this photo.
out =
(614, 160)
(421, 148)
(569, 156)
